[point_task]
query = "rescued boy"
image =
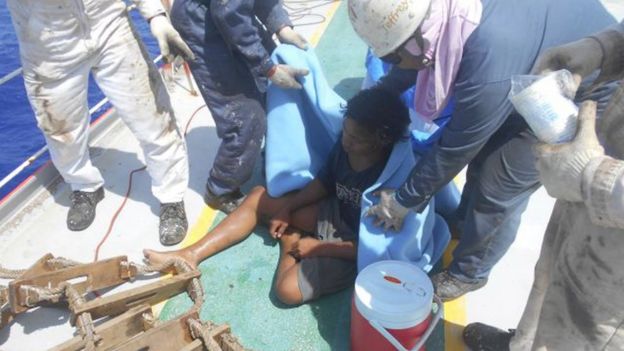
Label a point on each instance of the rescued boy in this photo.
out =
(317, 226)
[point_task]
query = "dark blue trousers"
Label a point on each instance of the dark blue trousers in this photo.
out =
(230, 91)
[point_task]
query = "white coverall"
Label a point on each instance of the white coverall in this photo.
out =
(577, 299)
(61, 42)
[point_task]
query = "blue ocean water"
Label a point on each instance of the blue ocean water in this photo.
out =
(19, 135)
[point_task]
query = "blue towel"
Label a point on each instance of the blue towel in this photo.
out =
(303, 125)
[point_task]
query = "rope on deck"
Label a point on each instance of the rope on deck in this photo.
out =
(55, 263)
(6, 273)
(195, 290)
(4, 295)
(83, 320)
(62, 262)
(202, 330)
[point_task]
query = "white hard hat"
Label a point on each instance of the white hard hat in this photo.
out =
(386, 24)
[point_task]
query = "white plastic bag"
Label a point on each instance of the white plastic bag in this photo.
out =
(546, 104)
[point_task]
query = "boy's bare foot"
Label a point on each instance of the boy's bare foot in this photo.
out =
(159, 257)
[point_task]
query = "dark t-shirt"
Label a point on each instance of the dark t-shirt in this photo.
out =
(347, 185)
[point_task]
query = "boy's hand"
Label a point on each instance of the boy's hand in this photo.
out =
(304, 248)
(279, 223)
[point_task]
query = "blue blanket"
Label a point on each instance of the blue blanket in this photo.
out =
(303, 125)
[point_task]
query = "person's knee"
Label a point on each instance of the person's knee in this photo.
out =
(253, 199)
(256, 117)
(257, 192)
(288, 292)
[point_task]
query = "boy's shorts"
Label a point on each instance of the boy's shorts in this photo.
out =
(323, 275)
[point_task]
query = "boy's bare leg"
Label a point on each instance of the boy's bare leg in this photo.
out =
(236, 227)
(286, 280)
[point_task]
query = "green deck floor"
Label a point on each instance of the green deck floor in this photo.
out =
(238, 288)
(238, 282)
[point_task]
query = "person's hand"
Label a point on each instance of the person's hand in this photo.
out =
(285, 76)
(304, 248)
(580, 57)
(279, 223)
(169, 40)
(389, 212)
(561, 166)
(287, 35)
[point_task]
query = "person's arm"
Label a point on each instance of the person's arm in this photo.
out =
(603, 181)
(479, 111)
(579, 171)
(169, 41)
(149, 8)
(311, 193)
(612, 51)
(311, 247)
(272, 14)
(235, 21)
(320, 187)
(398, 80)
(603, 51)
(600, 178)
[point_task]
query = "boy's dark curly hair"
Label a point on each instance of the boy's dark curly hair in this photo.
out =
(381, 111)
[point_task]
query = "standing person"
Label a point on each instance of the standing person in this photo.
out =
(577, 299)
(469, 50)
(317, 226)
(62, 42)
(232, 67)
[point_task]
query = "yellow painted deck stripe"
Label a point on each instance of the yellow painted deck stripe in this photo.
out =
(316, 36)
(199, 229)
(454, 312)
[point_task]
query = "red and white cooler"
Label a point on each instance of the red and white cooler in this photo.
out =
(392, 308)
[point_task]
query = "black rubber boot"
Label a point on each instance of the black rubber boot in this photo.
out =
(82, 211)
(226, 203)
(482, 337)
(173, 223)
(448, 288)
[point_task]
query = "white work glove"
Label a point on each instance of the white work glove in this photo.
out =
(581, 58)
(285, 76)
(389, 212)
(287, 35)
(169, 40)
(561, 166)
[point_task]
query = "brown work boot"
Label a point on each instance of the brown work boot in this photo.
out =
(447, 287)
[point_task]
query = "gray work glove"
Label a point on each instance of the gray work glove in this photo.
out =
(169, 39)
(561, 166)
(581, 58)
(287, 35)
(285, 76)
(389, 212)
